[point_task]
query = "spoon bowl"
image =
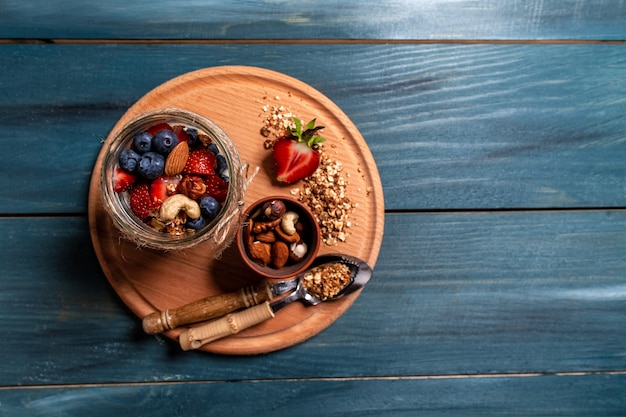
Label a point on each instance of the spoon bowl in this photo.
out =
(360, 274)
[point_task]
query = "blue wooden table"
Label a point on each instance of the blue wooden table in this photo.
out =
(498, 129)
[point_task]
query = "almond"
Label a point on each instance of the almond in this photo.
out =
(266, 237)
(177, 159)
(260, 253)
(280, 254)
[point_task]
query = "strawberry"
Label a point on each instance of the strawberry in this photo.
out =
(153, 130)
(200, 162)
(216, 187)
(140, 201)
(161, 188)
(297, 156)
(122, 180)
(181, 133)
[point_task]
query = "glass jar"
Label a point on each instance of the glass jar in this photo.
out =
(219, 230)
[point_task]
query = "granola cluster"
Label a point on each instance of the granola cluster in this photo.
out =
(328, 280)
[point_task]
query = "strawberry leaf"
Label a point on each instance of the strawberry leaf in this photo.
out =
(315, 140)
(309, 135)
(310, 125)
(298, 129)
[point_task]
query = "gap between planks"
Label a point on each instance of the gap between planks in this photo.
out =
(322, 379)
(64, 41)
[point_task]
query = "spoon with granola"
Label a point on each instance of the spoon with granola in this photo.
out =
(331, 277)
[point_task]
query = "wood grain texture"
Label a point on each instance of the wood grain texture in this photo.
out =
(598, 395)
(450, 126)
(325, 19)
(486, 105)
(458, 294)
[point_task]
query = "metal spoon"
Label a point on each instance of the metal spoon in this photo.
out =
(196, 337)
(218, 305)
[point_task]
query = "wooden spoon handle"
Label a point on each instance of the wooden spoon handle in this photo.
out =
(232, 323)
(207, 308)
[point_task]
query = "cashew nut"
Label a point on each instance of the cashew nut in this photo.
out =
(288, 224)
(174, 204)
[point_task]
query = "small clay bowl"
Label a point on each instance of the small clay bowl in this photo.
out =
(309, 234)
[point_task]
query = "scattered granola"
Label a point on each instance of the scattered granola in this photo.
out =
(328, 280)
(277, 120)
(326, 191)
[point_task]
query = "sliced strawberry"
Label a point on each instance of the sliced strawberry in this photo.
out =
(297, 156)
(161, 188)
(122, 180)
(154, 129)
(200, 162)
(181, 133)
(294, 160)
(140, 202)
(216, 187)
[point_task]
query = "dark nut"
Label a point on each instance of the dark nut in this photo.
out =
(274, 209)
(192, 186)
(300, 228)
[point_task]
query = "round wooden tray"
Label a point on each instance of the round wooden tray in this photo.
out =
(233, 97)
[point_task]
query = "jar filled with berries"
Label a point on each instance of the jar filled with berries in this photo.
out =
(172, 179)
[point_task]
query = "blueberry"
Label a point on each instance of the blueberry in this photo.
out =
(142, 142)
(164, 141)
(209, 207)
(151, 165)
(222, 166)
(193, 136)
(213, 148)
(196, 224)
(129, 160)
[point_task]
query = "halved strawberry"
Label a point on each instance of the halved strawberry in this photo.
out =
(161, 188)
(216, 187)
(297, 156)
(140, 201)
(181, 133)
(154, 129)
(200, 162)
(122, 180)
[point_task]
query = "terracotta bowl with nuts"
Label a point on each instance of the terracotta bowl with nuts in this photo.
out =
(279, 237)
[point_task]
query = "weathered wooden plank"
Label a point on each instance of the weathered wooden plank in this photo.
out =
(451, 294)
(450, 126)
(565, 395)
(325, 19)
